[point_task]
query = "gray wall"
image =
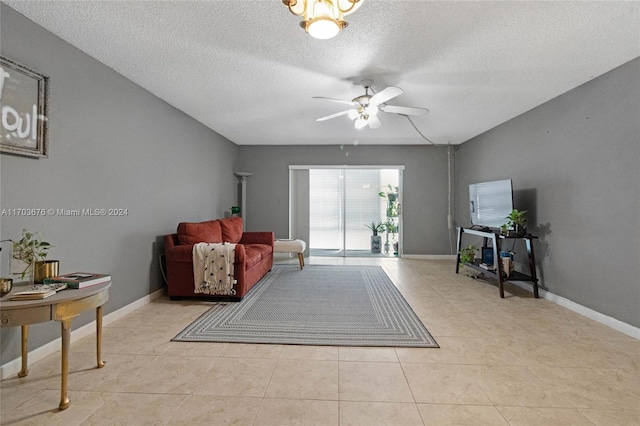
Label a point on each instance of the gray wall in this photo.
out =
(425, 186)
(112, 145)
(574, 162)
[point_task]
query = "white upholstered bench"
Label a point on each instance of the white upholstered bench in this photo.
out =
(291, 246)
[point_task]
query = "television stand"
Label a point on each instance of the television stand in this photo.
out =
(498, 273)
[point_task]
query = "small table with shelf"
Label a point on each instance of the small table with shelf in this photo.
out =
(498, 273)
(63, 307)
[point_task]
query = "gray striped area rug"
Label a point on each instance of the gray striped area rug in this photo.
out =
(319, 305)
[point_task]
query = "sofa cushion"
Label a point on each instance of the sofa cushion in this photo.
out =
(253, 256)
(201, 232)
(231, 229)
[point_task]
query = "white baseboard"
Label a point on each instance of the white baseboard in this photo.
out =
(13, 367)
(603, 319)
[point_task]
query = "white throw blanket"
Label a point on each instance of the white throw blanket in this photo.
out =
(213, 270)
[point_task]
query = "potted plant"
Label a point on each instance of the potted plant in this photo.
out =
(392, 200)
(468, 254)
(28, 254)
(518, 222)
(391, 228)
(376, 239)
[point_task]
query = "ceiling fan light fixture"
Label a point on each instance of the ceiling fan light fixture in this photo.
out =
(371, 109)
(366, 107)
(361, 122)
(323, 19)
(323, 27)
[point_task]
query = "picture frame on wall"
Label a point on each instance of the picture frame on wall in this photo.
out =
(24, 96)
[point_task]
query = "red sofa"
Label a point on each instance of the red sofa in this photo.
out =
(254, 255)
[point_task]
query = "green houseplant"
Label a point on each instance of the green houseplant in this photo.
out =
(468, 254)
(392, 200)
(391, 228)
(517, 220)
(393, 210)
(376, 240)
(375, 227)
(28, 250)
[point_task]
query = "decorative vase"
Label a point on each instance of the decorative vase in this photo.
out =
(395, 248)
(6, 284)
(23, 270)
(386, 247)
(45, 269)
(376, 243)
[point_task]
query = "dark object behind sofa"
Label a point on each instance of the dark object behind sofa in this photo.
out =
(254, 255)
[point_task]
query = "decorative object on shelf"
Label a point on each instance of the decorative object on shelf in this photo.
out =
(376, 240)
(507, 266)
(323, 19)
(45, 269)
(24, 96)
(468, 254)
(517, 222)
(26, 252)
(235, 210)
(6, 284)
(506, 257)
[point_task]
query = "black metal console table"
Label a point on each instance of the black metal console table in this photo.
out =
(498, 273)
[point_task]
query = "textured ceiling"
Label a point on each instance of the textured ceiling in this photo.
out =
(248, 71)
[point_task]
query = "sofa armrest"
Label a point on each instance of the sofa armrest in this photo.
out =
(257, 238)
(170, 240)
(179, 253)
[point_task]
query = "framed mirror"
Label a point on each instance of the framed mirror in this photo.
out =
(24, 96)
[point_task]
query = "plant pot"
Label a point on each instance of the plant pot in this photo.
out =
(45, 269)
(376, 243)
(22, 270)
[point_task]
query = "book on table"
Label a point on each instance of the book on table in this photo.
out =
(38, 291)
(79, 279)
(32, 294)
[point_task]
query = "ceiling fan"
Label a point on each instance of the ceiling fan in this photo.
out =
(366, 107)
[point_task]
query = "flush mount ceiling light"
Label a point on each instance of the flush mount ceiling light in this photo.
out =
(323, 19)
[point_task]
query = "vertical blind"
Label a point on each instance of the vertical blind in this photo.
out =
(329, 206)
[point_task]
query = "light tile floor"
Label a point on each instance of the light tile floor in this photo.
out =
(516, 361)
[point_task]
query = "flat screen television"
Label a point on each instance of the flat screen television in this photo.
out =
(490, 203)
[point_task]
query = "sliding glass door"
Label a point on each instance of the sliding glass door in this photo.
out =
(345, 203)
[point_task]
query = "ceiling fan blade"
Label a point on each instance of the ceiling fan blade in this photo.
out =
(403, 110)
(385, 95)
(334, 100)
(337, 114)
(374, 121)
